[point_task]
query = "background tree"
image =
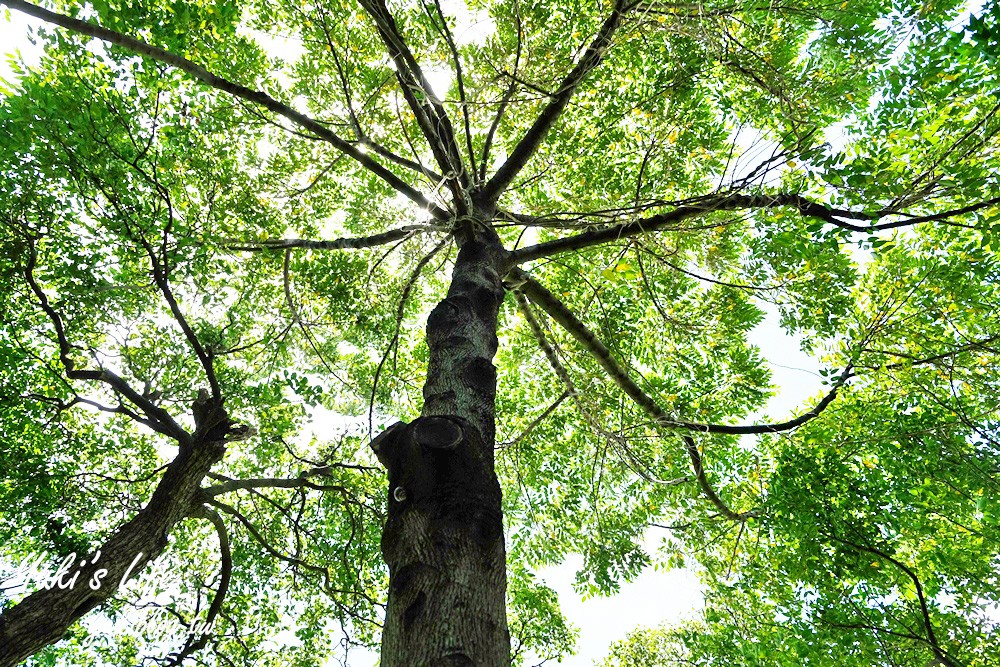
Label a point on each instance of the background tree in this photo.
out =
(208, 242)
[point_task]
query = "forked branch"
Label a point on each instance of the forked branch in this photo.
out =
(156, 417)
(430, 113)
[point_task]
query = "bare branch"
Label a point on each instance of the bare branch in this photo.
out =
(918, 361)
(205, 356)
(323, 572)
(413, 165)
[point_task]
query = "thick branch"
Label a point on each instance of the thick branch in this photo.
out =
(44, 616)
(602, 355)
(430, 113)
(533, 138)
(735, 202)
(224, 85)
(336, 244)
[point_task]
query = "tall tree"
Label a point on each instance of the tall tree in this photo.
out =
(223, 220)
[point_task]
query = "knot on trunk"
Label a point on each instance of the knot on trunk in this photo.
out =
(437, 466)
(211, 421)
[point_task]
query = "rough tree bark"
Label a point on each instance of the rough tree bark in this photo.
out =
(443, 539)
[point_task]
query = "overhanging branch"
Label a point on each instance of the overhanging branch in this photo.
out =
(561, 314)
(558, 311)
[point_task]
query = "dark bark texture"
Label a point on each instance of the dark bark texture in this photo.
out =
(443, 539)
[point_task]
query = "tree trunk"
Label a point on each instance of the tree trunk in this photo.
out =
(443, 539)
(44, 616)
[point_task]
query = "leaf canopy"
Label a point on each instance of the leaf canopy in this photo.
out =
(271, 190)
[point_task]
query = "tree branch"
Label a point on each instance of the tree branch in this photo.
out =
(533, 138)
(421, 169)
(918, 587)
(602, 355)
(735, 202)
(302, 481)
(706, 487)
(196, 643)
(460, 80)
(205, 356)
(372, 241)
(44, 616)
(235, 89)
(157, 418)
(617, 441)
(505, 100)
(323, 572)
(561, 314)
(430, 113)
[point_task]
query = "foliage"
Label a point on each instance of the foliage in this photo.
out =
(835, 161)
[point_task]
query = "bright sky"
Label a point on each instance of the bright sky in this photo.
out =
(655, 597)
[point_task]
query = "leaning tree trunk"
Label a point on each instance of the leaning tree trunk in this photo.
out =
(443, 539)
(43, 617)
